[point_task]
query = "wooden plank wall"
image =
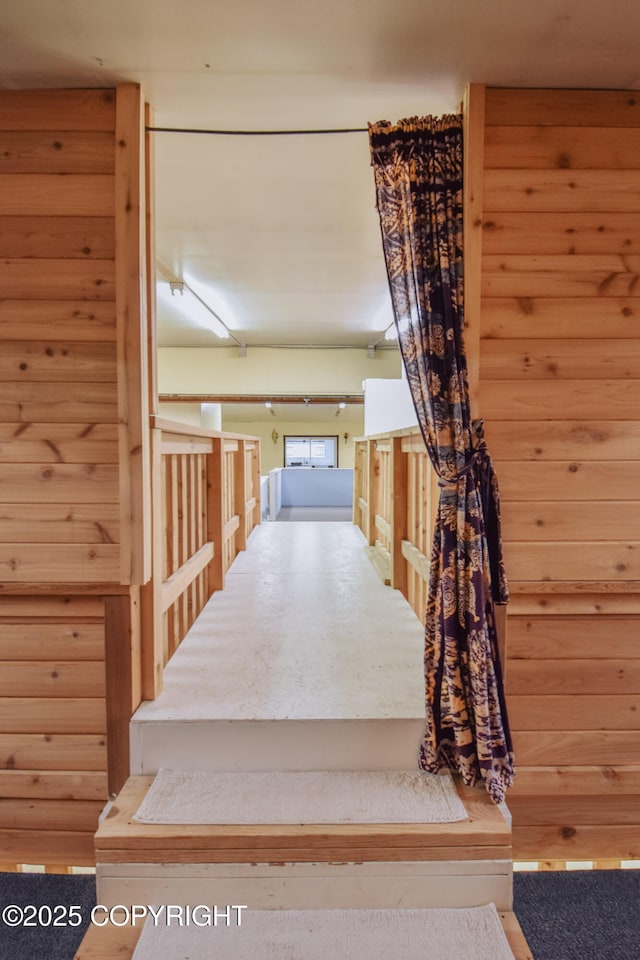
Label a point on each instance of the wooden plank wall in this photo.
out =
(560, 393)
(71, 460)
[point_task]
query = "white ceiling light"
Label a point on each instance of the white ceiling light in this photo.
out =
(178, 295)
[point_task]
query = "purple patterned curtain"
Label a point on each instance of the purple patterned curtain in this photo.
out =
(418, 175)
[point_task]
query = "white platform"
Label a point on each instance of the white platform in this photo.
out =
(304, 661)
(311, 886)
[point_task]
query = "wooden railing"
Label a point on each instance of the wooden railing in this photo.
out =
(394, 504)
(206, 502)
(395, 501)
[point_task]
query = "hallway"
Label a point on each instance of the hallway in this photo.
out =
(287, 734)
(304, 631)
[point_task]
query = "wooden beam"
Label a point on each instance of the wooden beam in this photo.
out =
(119, 694)
(350, 399)
(150, 248)
(133, 394)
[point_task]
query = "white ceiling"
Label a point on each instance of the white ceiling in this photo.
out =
(280, 234)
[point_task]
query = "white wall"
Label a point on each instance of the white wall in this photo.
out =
(387, 406)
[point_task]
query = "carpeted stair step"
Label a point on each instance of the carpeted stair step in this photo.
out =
(319, 864)
(477, 934)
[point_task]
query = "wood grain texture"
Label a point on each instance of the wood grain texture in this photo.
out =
(57, 403)
(42, 751)
(538, 275)
(566, 108)
(564, 638)
(558, 711)
(574, 676)
(560, 400)
(35, 814)
(597, 560)
(131, 338)
(577, 480)
(50, 678)
(551, 233)
(60, 110)
(53, 784)
(54, 195)
(582, 191)
(564, 440)
(75, 238)
(59, 483)
(575, 810)
(606, 780)
(41, 640)
(61, 563)
(47, 523)
(50, 846)
(75, 320)
(521, 317)
(47, 279)
(565, 842)
(71, 715)
(59, 442)
(562, 147)
(575, 359)
(33, 151)
(554, 521)
(34, 361)
(577, 748)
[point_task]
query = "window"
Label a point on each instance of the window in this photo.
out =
(310, 451)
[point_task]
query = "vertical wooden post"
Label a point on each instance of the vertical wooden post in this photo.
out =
(150, 227)
(373, 467)
(118, 634)
(151, 595)
(240, 495)
(215, 518)
(398, 519)
(131, 338)
(255, 482)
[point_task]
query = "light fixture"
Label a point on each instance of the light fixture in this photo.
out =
(268, 404)
(342, 404)
(180, 295)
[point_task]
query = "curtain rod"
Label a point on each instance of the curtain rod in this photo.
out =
(256, 133)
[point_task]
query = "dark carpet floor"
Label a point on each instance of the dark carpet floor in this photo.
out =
(579, 915)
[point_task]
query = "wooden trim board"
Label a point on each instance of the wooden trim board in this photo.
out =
(484, 835)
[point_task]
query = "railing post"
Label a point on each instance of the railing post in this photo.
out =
(240, 495)
(255, 484)
(215, 515)
(373, 467)
(398, 517)
(151, 594)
